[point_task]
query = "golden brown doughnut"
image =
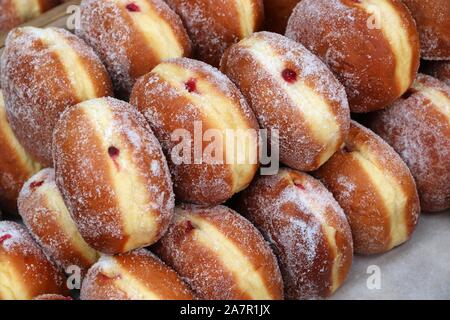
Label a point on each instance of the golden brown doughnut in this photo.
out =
(138, 275)
(132, 37)
(277, 14)
(418, 128)
(439, 70)
(291, 90)
(45, 71)
(25, 271)
(376, 190)
(44, 213)
(15, 12)
(16, 166)
(433, 22)
(214, 25)
(221, 255)
(113, 175)
(307, 228)
(183, 93)
(371, 45)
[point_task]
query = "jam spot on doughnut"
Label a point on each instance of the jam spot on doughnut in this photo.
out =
(5, 237)
(114, 154)
(133, 7)
(36, 184)
(347, 149)
(191, 85)
(299, 185)
(289, 75)
(104, 277)
(189, 226)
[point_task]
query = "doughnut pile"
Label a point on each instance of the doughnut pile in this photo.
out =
(43, 72)
(291, 90)
(132, 37)
(15, 12)
(418, 128)
(376, 190)
(210, 149)
(372, 46)
(215, 25)
(181, 93)
(221, 255)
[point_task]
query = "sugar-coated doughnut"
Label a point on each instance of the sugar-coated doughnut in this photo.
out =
(376, 190)
(132, 37)
(15, 12)
(113, 175)
(432, 19)
(16, 166)
(307, 228)
(25, 271)
(439, 70)
(214, 25)
(45, 71)
(418, 128)
(138, 275)
(371, 45)
(277, 13)
(221, 255)
(291, 90)
(52, 297)
(44, 213)
(188, 94)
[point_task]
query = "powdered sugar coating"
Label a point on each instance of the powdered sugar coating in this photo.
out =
(38, 86)
(420, 133)
(339, 32)
(293, 211)
(19, 252)
(88, 183)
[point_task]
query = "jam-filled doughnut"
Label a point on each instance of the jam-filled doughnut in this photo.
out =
(113, 175)
(307, 228)
(45, 71)
(376, 190)
(221, 255)
(132, 37)
(439, 70)
(277, 13)
(44, 213)
(215, 25)
(191, 95)
(432, 19)
(418, 128)
(371, 45)
(25, 271)
(291, 90)
(16, 166)
(138, 275)
(15, 12)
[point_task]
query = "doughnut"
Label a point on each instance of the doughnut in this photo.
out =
(113, 175)
(432, 18)
(439, 70)
(307, 229)
(291, 90)
(16, 166)
(137, 275)
(15, 12)
(44, 213)
(132, 37)
(188, 94)
(376, 190)
(215, 25)
(418, 128)
(52, 297)
(220, 255)
(277, 14)
(372, 46)
(25, 271)
(45, 71)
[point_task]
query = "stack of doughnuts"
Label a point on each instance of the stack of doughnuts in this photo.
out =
(372, 46)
